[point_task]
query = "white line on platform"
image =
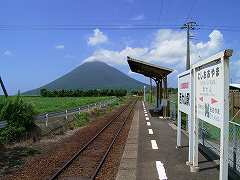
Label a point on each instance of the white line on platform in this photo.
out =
(147, 118)
(146, 115)
(161, 171)
(148, 124)
(150, 131)
(154, 144)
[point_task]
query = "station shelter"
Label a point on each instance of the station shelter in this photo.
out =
(159, 75)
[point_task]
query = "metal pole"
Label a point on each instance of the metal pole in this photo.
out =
(157, 83)
(223, 175)
(151, 90)
(160, 88)
(179, 127)
(66, 114)
(234, 147)
(144, 93)
(3, 87)
(46, 123)
(194, 167)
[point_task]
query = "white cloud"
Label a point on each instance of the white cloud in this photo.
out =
(97, 38)
(138, 17)
(168, 48)
(60, 46)
(7, 53)
(116, 57)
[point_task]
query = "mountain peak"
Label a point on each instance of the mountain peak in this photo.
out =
(92, 75)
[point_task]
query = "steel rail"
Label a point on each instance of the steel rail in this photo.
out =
(112, 143)
(69, 162)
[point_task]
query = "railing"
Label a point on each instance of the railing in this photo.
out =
(209, 137)
(67, 112)
(45, 117)
(3, 124)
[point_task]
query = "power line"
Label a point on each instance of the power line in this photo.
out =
(86, 27)
(78, 27)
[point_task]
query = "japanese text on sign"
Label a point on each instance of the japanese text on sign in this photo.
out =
(209, 93)
(184, 92)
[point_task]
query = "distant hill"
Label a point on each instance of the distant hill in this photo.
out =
(92, 75)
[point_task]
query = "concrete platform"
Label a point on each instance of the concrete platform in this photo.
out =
(150, 152)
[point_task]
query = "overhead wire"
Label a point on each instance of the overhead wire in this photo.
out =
(75, 27)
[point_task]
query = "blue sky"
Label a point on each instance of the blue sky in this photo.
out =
(31, 58)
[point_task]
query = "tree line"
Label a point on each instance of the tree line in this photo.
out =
(83, 93)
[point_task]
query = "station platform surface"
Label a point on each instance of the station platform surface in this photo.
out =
(150, 152)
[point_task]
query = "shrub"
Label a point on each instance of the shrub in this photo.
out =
(81, 93)
(19, 117)
(81, 119)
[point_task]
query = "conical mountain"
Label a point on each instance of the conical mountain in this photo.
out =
(92, 75)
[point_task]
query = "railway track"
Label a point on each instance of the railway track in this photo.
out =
(88, 161)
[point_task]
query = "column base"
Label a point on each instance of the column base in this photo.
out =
(194, 169)
(178, 147)
(189, 163)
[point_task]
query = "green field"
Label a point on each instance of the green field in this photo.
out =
(52, 104)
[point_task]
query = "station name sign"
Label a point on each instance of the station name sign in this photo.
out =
(210, 92)
(184, 92)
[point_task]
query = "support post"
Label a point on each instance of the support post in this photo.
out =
(223, 175)
(235, 143)
(46, 121)
(179, 127)
(194, 167)
(66, 114)
(160, 93)
(190, 140)
(151, 89)
(157, 83)
(144, 93)
(3, 87)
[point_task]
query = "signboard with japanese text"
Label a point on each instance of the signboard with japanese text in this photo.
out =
(210, 92)
(184, 92)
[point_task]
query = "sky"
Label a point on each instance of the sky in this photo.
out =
(31, 57)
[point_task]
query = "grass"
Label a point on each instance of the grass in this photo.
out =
(81, 119)
(13, 158)
(52, 104)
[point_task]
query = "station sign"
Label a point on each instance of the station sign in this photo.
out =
(210, 92)
(209, 96)
(184, 92)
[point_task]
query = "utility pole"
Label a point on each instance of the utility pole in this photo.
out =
(3, 87)
(189, 26)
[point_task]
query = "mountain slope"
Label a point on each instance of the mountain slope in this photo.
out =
(92, 75)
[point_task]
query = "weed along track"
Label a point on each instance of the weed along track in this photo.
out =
(87, 162)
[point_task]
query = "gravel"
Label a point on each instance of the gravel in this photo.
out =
(44, 165)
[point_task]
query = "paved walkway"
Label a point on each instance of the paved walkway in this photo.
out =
(156, 156)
